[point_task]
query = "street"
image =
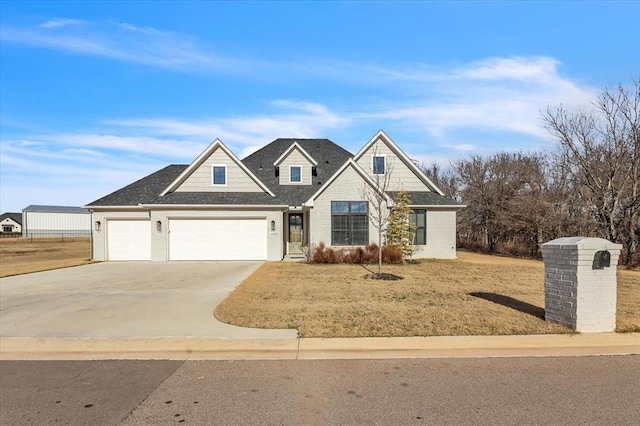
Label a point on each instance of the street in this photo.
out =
(553, 390)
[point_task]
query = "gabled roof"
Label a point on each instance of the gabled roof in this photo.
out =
(365, 176)
(401, 155)
(329, 156)
(54, 209)
(294, 146)
(16, 217)
(202, 158)
(147, 190)
(331, 161)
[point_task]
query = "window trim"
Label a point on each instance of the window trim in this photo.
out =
(414, 219)
(384, 165)
(213, 175)
(350, 231)
(296, 182)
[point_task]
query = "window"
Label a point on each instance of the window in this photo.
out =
(349, 223)
(7, 228)
(295, 175)
(419, 219)
(219, 175)
(378, 165)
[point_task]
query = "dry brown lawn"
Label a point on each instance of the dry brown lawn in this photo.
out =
(473, 295)
(23, 255)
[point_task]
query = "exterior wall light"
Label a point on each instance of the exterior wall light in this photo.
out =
(273, 225)
(97, 226)
(159, 226)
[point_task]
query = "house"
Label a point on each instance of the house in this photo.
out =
(11, 223)
(290, 193)
(55, 221)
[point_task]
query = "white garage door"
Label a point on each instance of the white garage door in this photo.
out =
(129, 239)
(218, 239)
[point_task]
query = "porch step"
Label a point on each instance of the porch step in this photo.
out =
(294, 257)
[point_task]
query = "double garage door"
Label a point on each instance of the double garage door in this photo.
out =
(191, 239)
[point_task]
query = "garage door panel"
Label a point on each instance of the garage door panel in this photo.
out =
(129, 240)
(218, 239)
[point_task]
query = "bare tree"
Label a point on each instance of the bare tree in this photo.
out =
(600, 152)
(378, 201)
(445, 179)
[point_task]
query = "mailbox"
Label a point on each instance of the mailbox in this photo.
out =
(601, 259)
(580, 289)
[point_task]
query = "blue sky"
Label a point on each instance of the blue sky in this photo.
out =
(94, 95)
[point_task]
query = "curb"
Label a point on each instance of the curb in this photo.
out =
(197, 348)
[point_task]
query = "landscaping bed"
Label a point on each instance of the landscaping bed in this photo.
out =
(473, 295)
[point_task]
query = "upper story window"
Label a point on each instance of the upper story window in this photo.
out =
(295, 175)
(219, 175)
(378, 165)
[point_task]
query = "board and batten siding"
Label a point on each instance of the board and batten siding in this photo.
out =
(201, 180)
(295, 158)
(43, 224)
(402, 177)
(347, 186)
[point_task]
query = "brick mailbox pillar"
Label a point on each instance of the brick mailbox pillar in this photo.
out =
(580, 283)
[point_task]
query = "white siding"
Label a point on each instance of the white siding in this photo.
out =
(10, 222)
(346, 187)
(201, 180)
(48, 224)
(402, 177)
(441, 236)
(295, 158)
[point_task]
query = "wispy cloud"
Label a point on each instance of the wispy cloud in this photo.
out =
(442, 112)
(117, 152)
(286, 118)
(62, 22)
(119, 41)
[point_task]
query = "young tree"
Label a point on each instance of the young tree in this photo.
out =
(402, 230)
(378, 209)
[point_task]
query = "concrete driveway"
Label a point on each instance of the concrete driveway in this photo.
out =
(125, 299)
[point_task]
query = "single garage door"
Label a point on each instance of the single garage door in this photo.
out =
(129, 240)
(218, 239)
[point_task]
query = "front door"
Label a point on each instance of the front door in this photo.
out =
(295, 233)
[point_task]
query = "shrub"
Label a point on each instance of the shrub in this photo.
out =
(370, 253)
(355, 255)
(331, 255)
(319, 254)
(391, 254)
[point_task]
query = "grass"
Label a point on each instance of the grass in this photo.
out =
(23, 255)
(474, 295)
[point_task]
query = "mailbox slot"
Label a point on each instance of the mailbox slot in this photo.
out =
(601, 260)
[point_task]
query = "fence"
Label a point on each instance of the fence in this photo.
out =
(60, 234)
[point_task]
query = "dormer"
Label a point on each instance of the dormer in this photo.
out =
(295, 166)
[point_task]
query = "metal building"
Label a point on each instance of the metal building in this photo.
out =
(55, 221)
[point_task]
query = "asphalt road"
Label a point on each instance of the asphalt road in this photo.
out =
(552, 391)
